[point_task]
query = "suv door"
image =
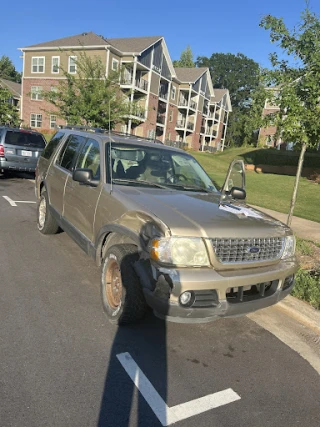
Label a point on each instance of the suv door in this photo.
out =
(80, 200)
(61, 169)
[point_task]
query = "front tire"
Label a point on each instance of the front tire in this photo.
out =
(122, 297)
(46, 223)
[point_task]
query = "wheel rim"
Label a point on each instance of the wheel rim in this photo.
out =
(113, 285)
(42, 212)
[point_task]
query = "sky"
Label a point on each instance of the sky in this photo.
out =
(226, 26)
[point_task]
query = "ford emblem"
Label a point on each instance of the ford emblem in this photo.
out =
(254, 250)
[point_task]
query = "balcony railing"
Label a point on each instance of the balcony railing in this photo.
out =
(163, 94)
(183, 102)
(142, 84)
(190, 125)
(127, 80)
(161, 119)
(180, 124)
(139, 113)
(202, 129)
(193, 105)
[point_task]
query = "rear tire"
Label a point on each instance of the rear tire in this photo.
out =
(45, 221)
(122, 297)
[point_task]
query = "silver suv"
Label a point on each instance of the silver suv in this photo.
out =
(19, 149)
(163, 234)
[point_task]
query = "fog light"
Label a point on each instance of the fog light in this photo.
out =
(288, 282)
(186, 299)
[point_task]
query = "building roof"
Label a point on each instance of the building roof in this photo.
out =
(218, 94)
(134, 44)
(13, 87)
(130, 44)
(189, 75)
(84, 39)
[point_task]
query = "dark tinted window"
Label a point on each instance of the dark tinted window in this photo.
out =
(69, 150)
(52, 145)
(89, 158)
(24, 139)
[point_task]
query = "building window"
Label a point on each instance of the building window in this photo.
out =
(173, 92)
(115, 64)
(37, 64)
(36, 120)
(53, 121)
(36, 93)
(72, 64)
(171, 116)
(55, 64)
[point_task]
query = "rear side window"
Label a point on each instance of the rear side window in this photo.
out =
(89, 158)
(68, 152)
(52, 145)
(24, 139)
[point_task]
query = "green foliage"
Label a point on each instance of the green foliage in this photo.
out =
(272, 156)
(89, 97)
(186, 59)
(304, 247)
(8, 113)
(238, 73)
(307, 287)
(298, 88)
(8, 71)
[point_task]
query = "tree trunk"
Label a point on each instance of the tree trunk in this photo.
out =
(296, 183)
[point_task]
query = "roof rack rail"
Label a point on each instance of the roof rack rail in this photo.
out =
(107, 132)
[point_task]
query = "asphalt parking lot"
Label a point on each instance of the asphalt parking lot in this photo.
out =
(63, 364)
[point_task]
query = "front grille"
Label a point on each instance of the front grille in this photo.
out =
(233, 251)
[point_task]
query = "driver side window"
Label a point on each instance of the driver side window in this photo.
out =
(89, 158)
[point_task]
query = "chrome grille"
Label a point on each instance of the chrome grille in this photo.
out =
(232, 251)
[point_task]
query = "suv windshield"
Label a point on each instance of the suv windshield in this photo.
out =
(157, 167)
(24, 139)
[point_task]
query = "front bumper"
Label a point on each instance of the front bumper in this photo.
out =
(181, 280)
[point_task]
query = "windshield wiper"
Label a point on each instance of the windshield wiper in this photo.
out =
(134, 181)
(190, 188)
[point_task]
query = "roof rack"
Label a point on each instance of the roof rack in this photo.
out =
(107, 132)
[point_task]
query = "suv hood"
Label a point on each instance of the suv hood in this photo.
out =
(191, 214)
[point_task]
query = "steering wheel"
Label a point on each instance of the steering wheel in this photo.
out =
(176, 177)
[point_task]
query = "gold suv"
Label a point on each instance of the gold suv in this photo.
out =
(163, 234)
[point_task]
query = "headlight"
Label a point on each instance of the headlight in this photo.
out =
(289, 247)
(180, 251)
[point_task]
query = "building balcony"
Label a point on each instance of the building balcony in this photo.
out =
(161, 119)
(183, 102)
(142, 84)
(181, 124)
(163, 94)
(193, 105)
(202, 129)
(190, 125)
(126, 81)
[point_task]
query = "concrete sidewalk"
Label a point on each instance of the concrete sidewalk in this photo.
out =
(303, 228)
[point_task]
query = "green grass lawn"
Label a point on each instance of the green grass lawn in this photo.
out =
(266, 190)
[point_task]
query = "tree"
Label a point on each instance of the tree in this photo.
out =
(90, 97)
(8, 114)
(298, 81)
(237, 73)
(186, 59)
(8, 71)
(241, 76)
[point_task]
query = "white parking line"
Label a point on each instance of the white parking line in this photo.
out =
(14, 202)
(166, 415)
(31, 180)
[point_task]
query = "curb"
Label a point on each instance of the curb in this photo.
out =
(300, 311)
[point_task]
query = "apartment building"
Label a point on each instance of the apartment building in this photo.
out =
(176, 105)
(267, 135)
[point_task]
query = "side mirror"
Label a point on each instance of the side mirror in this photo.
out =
(238, 193)
(84, 177)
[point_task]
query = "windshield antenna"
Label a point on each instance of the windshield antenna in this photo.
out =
(110, 151)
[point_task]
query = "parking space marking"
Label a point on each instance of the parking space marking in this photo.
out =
(32, 180)
(166, 415)
(14, 202)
